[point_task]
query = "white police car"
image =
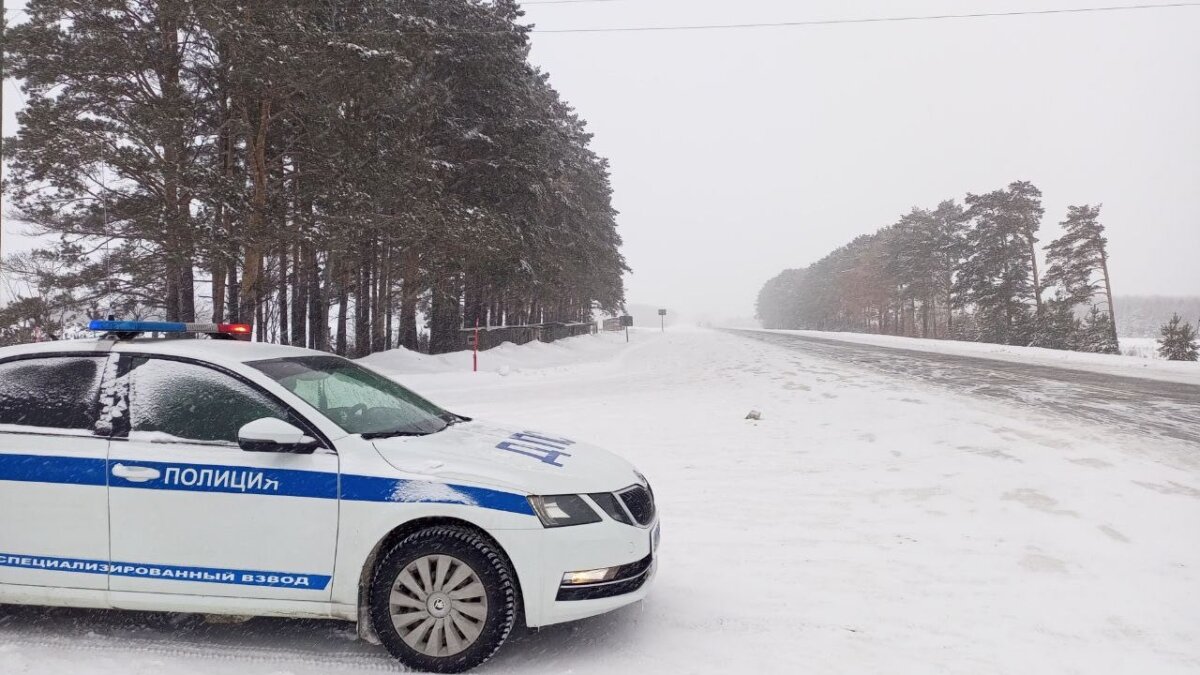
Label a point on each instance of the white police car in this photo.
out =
(223, 477)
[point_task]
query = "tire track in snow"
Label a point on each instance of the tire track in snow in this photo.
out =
(1130, 405)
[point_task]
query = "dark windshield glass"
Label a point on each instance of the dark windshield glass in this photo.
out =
(358, 400)
(53, 392)
(179, 402)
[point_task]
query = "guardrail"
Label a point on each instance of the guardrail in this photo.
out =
(495, 336)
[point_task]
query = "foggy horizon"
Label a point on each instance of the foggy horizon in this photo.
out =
(1092, 108)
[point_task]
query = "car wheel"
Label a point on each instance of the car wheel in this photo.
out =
(443, 600)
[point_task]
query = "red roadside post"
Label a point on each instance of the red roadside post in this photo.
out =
(475, 356)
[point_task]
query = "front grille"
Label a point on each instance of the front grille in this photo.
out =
(629, 579)
(640, 502)
(608, 502)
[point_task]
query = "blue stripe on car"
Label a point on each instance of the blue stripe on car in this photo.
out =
(209, 575)
(376, 489)
(256, 481)
(61, 470)
(231, 479)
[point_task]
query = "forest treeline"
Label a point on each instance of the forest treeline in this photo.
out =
(328, 171)
(967, 271)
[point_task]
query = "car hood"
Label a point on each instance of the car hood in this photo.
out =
(508, 458)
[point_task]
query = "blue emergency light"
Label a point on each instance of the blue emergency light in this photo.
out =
(135, 327)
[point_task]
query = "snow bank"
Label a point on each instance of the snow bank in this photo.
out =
(504, 359)
(1141, 347)
(1109, 364)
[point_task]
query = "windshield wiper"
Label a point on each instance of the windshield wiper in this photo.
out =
(372, 435)
(450, 419)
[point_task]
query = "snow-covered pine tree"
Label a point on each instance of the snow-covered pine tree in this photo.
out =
(998, 275)
(1058, 328)
(949, 222)
(334, 167)
(910, 266)
(924, 248)
(110, 146)
(777, 301)
(1178, 341)
(1077, 265)
(1025, 211)
(1096, 333)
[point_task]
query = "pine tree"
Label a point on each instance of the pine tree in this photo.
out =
(336, 168)
(1097, 335)
(1178, 341)
(777, 304)
(1025, 212)
(998, 276)
(1078, 265)
(110, 144)
(1058, 328)
(950, 220)
(924, 249)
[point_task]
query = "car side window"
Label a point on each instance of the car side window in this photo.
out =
(59, 392)
(174, 401)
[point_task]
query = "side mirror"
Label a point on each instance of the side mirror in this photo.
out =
(274, 435)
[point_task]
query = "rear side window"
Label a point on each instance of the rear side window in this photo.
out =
(172, 401)
(60, 392)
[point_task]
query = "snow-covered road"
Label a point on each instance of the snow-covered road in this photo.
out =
(1117, 402)
(868, 523)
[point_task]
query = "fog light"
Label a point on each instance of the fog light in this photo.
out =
(589, 576)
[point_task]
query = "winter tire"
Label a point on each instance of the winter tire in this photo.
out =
(443, 600)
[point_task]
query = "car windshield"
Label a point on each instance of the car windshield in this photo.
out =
(358, 400)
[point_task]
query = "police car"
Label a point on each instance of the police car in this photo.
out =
(226, 477)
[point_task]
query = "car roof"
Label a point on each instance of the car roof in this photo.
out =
(208, 350)
(213, 350)
(57, 346)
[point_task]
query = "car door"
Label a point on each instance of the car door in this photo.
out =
(53, 491)
(194, 514)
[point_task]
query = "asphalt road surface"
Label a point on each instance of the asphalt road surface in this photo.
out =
(1147, 408)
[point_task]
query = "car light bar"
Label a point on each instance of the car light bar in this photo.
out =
(230, 329)
(586, 577)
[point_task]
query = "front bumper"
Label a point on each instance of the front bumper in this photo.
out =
(628, 579)
(542, 557)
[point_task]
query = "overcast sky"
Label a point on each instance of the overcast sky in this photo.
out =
(737, 153)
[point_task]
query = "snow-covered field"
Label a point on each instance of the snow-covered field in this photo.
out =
(865, 525)
(1141, 347)
(1137, 357)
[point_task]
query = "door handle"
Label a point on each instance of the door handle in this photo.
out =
(136, 474)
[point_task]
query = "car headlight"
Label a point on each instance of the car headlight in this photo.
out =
(563, 510)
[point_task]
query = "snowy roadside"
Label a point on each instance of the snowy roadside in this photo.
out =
(1141, 347)
(1125, 365)
(866, 524)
